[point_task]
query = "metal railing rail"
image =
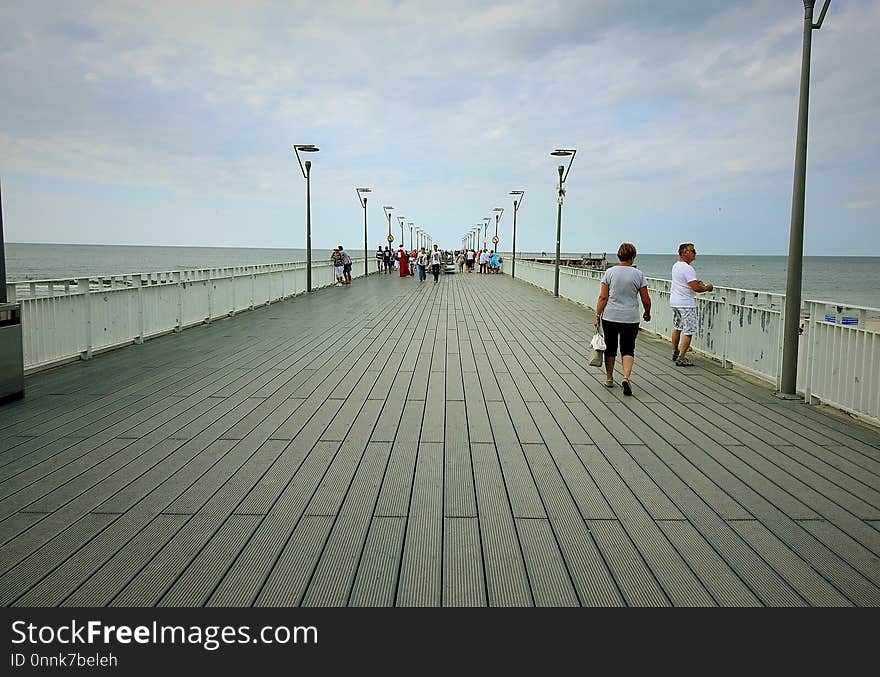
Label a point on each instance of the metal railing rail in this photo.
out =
(838, 356)
(65, 320)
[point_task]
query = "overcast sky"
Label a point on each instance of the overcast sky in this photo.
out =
(172, 122)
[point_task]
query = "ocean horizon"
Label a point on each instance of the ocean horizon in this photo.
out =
(853, 280)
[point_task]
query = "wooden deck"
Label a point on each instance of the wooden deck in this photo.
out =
(422, 445)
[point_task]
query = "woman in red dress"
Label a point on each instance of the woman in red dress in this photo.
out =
(403, 257)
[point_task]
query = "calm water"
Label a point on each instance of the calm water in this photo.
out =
(853, 280)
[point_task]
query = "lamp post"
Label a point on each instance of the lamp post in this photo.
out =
(411, 225)
(388, 211)
(3, 298)
(306, 172)
(563, 175)
(486, 220)
(791, 327)
(516, 206)
(499, 211)
(362, 198)
(402, 220)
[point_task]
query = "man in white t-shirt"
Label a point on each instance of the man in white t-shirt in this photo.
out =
(435, 257)
(484, 260)
(469, 259)
(682, 298)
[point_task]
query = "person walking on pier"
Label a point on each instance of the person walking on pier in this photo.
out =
(460, 261)
(380, 259)
(386, 258)
(403, 259)
(422, 263)
(436, 259)
(469, 259)
(494, 262)
(682, 299)
(618, 310)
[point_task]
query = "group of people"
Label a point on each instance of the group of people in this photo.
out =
(341, 266)
(487, 260)
(617, 309)
(409, 262)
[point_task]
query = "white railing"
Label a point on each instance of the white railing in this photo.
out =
(838, 363)
(64, 320)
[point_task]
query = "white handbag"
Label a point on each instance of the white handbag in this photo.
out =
(597, 354)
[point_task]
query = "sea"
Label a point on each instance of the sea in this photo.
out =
(852, 280)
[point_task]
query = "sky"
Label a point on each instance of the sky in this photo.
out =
(172, 123)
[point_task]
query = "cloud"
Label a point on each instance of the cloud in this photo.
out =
(443, 108)
(862, 204)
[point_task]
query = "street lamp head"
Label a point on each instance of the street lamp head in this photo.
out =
(517, 192)
(363, 190)
(498, 209)
(306, 147)
(562, 152)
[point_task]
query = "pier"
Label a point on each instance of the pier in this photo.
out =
(398, 444)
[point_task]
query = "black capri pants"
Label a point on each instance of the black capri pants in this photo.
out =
(624, 332)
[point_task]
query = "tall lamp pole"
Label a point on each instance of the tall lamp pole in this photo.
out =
(499, 211)
(516, 205)
(486, 220)
(3, 297)
(362, 198)
(563, 175)
(796, 233)
(402, 220)
(306, 172)
(411, 225)
(388, 211)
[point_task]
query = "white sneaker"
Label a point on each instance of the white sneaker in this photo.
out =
(338, 284)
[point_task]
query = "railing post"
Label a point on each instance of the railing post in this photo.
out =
(253, 289)
(138, 284)
(811, 330)
(10, 293)
(725, 333)
(232, 285)
(84, 286)
(178, 277)
(210, 282)
(779, 350)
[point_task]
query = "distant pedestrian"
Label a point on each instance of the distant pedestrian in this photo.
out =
(618, 310)
(380, 259)
(422, 263)
(460, 261)
(412, 262)
(346, 266)
(436, 260)
(403, 262)
(484, 261)
(469, 259)
(336, 260)
(387, 258)
(682, 298)
(494, 261)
